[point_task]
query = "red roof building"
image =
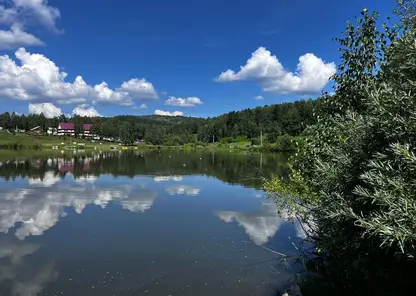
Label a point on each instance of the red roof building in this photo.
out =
(68, 129)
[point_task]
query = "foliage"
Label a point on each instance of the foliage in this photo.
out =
(155, 135)
(78, 126)
(285, 143)
(255, 141)
(97, 128)
(227, 140)
(353, 180)
(127, 132)
(241, 139)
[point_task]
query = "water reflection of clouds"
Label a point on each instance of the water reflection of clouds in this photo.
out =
(87, 178)
(182, 190)
(38, 208)
(15, 251)
(48, 180)
(35, 284)
(168, 178)
(24, 281)
(260, 225)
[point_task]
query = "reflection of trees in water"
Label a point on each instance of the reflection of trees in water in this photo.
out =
(22, 278)
(234, 168)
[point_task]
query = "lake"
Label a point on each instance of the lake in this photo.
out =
(143, 223)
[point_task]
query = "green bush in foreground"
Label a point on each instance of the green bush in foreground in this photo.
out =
(354, 177)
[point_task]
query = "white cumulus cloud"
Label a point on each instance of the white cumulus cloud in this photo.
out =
(167, 113)
(39, 9)
(259, 98)
(184, 102)
(16, 37)
(48, 109)
(16, 12)
(85, 111)
(139, 89)
(311, 76)
(37, 78)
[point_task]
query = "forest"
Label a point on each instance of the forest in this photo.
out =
(270, 121)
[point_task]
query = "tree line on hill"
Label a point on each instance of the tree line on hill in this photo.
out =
(271, 121)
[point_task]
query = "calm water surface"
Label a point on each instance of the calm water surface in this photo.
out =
(168, 223)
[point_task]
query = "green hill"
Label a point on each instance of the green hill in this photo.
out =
(270, 121)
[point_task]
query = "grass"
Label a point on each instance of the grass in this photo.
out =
(45, 143)
(29, 142)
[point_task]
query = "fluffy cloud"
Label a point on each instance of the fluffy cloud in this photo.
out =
(21, 12)
(7, 15)
(259, 98)
(38, 78)
(183, 102)
(39, 9)
(312, 73)
(139, 89)
(16, 37)
(48, 109)
(104, 94)
(167, 113)
(85, 111)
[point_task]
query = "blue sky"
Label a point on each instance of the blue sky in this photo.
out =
(167, 57)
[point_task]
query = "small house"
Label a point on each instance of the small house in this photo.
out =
(68, 129)
(36, 131)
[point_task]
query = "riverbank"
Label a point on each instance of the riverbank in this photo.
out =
(28, 142)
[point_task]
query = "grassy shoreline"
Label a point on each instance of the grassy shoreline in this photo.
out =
(26, 143)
